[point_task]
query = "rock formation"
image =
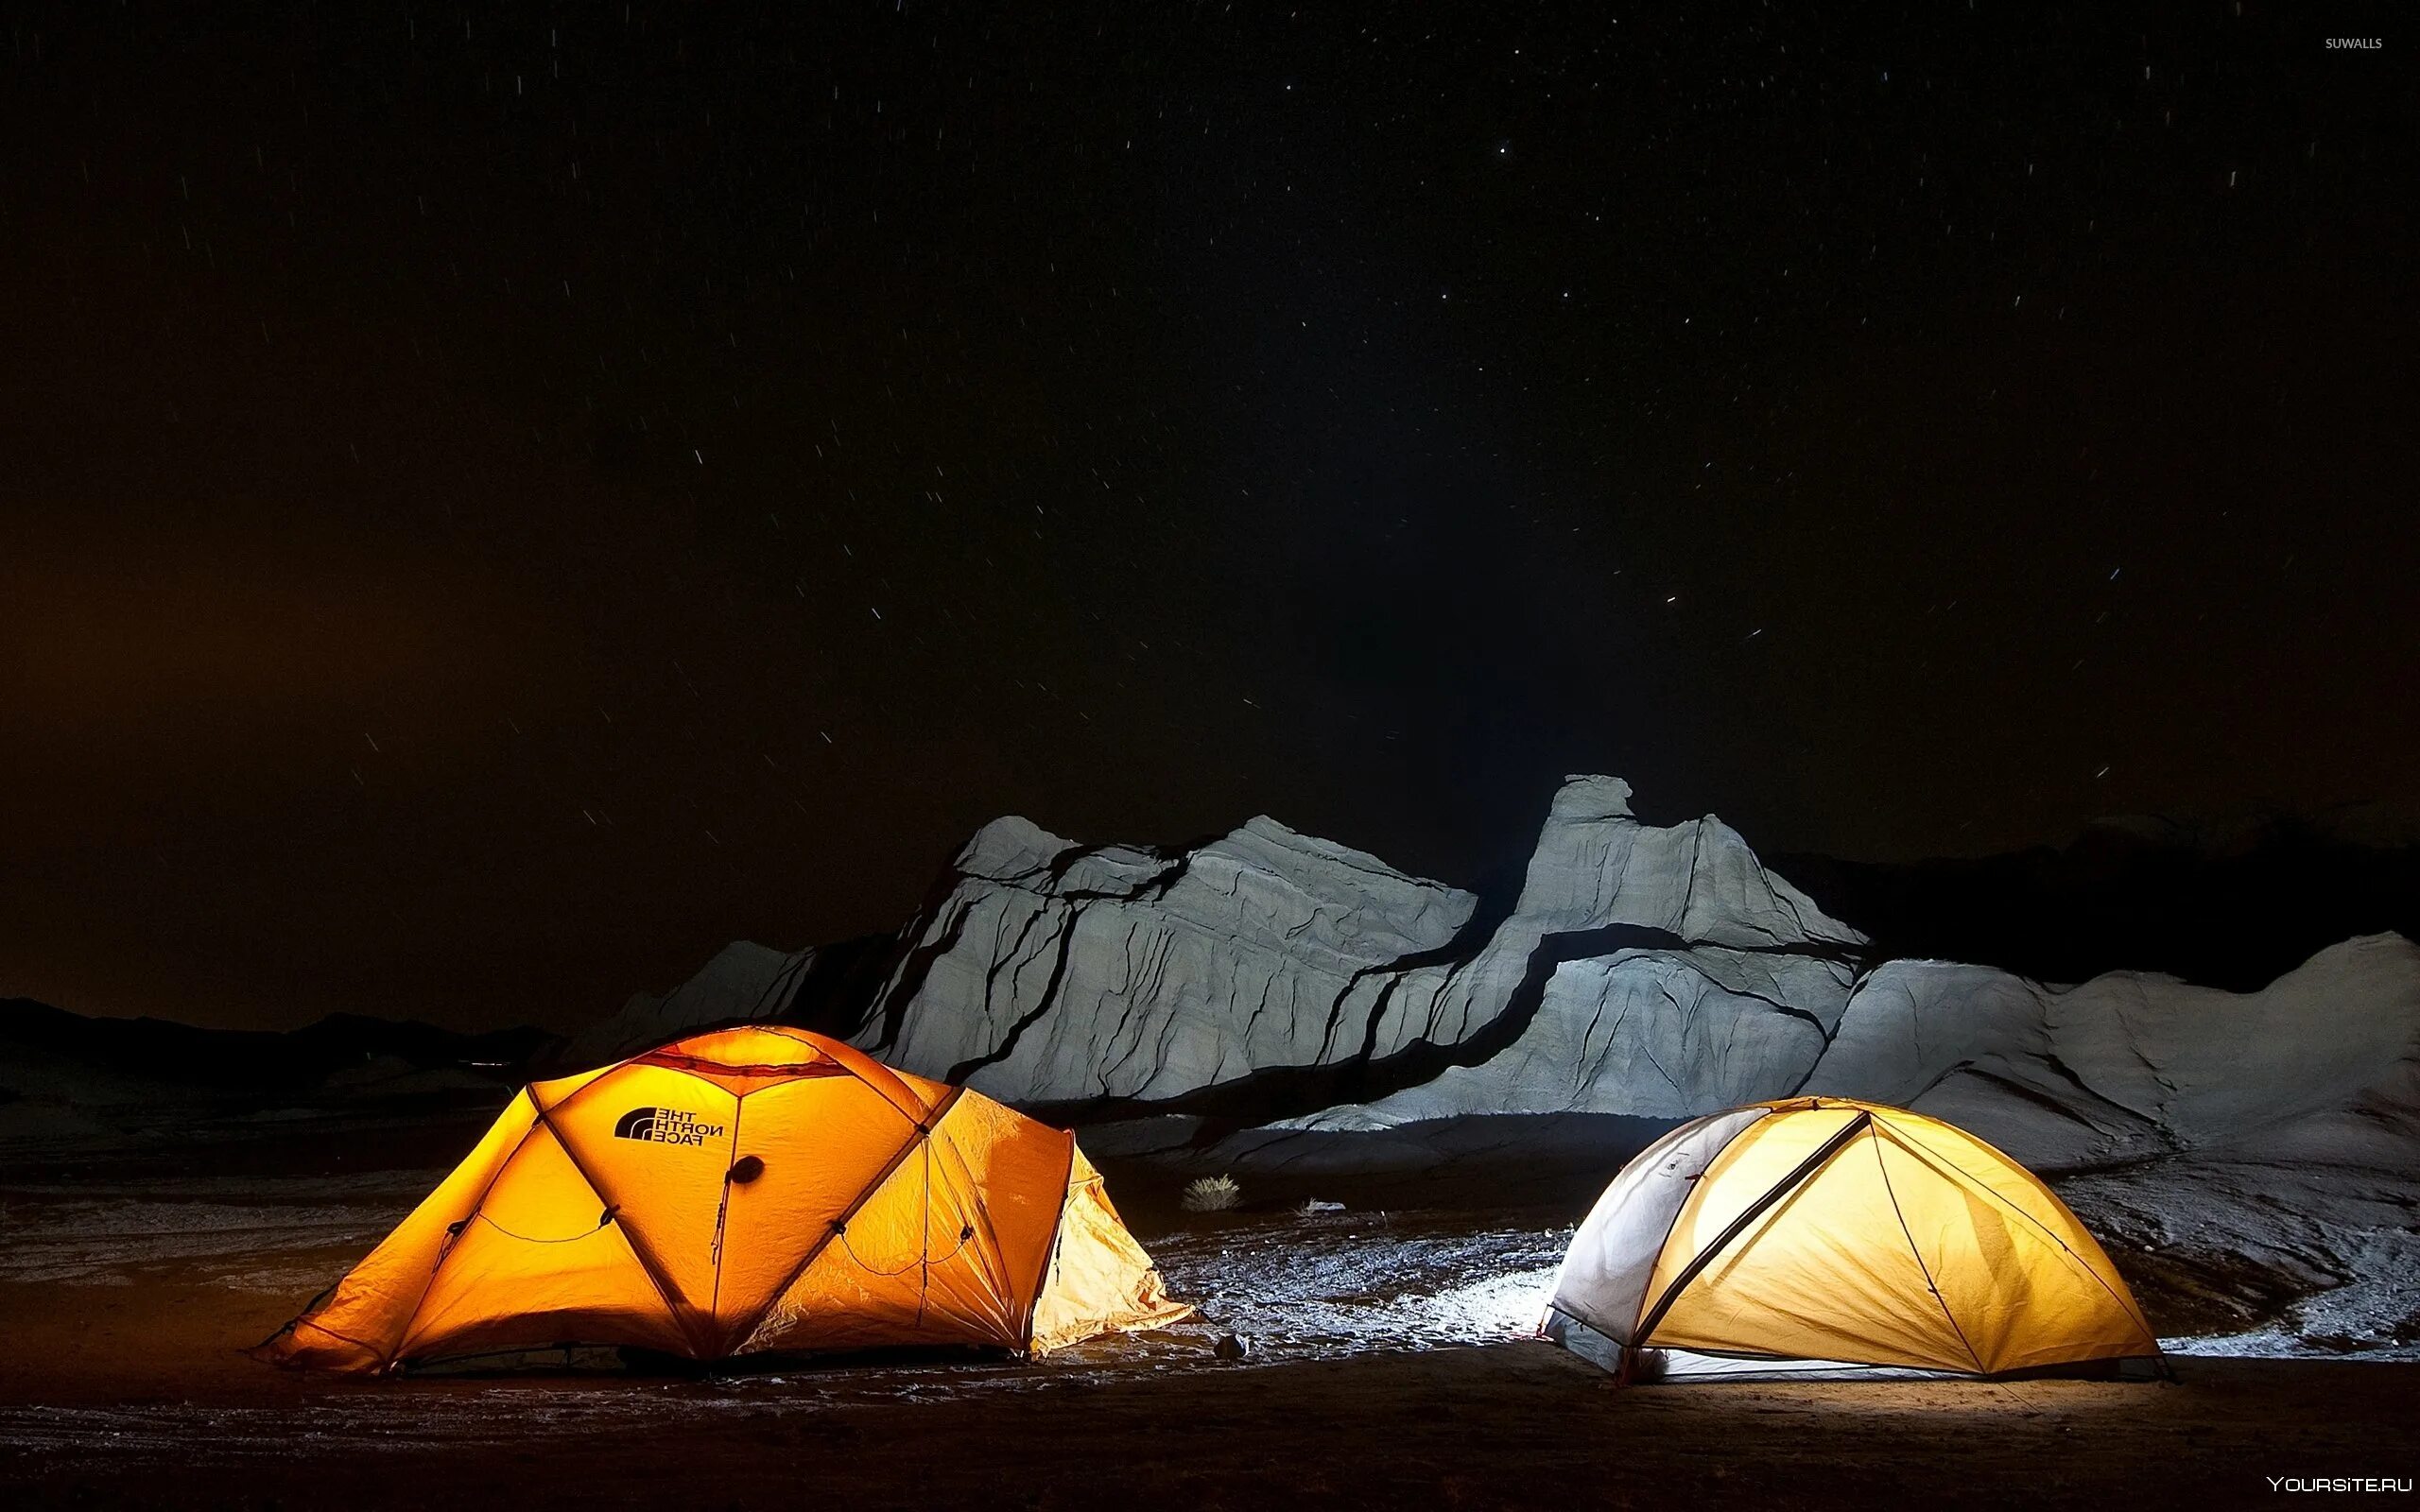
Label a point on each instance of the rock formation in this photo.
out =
(1642, 972)
(1643, 1033)
(1054, 973)
(1051, 973)
(2320, 1065)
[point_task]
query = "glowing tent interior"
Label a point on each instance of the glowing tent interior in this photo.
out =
(1823, 1236)
(746, 1190)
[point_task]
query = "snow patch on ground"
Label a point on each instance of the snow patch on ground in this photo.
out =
(1341, 1283)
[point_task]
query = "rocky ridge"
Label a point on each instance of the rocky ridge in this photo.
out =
(1642, 971)
(1300, 1012)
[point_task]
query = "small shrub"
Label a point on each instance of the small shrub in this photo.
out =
(1210, 1193)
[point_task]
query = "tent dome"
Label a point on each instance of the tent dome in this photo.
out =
(746, 1190)
(1819, 1235)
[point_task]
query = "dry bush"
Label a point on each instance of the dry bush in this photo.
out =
(1210, 1193)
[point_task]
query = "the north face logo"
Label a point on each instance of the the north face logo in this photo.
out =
(664, 1126)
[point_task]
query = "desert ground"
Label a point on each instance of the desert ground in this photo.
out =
(1388, 1367)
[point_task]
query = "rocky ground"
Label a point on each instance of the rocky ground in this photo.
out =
(1388, 1365)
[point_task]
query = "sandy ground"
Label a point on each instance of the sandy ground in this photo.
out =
(1387, 1370)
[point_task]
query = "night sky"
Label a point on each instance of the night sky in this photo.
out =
(502, 500)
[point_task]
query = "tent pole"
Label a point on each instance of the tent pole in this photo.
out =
(1756, 1210)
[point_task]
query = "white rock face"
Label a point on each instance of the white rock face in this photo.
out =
(1052, 973)
(1595, 864)
(2320, 1069)
(1645, 1032)
(2321, 1066)
(1055, 974)
(2316, 1066)
(1598, 870)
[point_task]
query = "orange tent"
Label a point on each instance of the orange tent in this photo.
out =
(747, 1190)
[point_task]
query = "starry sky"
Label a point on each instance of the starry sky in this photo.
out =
(499, 500)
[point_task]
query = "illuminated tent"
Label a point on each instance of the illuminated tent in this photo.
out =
(747, 1190)
(1823, 1236)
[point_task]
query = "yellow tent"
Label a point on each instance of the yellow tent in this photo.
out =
(1818, 1235)
(746, 1190)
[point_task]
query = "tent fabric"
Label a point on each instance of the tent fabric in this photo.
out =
(751, 1189)
(1821, 1234)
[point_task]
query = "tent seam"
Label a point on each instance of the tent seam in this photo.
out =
(1942, 1302)
(646, 1261)
(1948, 1167)
(722, 1210)
(1647, 1286)
(922, 1131)
(1050, 1251)
(1779, 1191)
(974, 1188)
(307, 1323)
(387, 1358)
